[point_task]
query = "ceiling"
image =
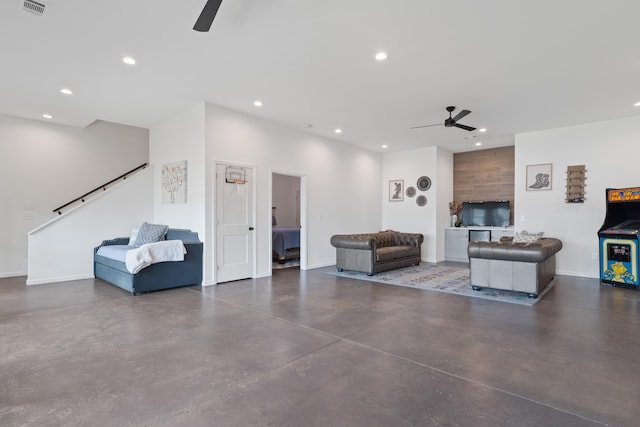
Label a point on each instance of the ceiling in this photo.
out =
(520, 66)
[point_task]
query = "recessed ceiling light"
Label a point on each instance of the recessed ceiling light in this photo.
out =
(338, 130)
(385, 146)
(257, 103)
(129, 60)
(478, 144)
(47, 116)
(637, 104)
(66, 91)
(381, 56)
(482, 130)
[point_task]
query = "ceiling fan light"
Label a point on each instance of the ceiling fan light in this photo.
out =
(482, 130)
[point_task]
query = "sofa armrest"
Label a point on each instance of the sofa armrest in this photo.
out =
(116, 241)
(194, 250)
(110, 242)
(353, 241)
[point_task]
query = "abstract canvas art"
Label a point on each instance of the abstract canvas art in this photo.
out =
(173, 179)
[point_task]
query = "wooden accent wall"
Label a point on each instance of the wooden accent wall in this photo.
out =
(484, 175)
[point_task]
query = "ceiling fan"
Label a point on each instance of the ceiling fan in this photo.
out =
(452, 122)
(203, 24)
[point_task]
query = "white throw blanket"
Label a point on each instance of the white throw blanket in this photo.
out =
(151, 253)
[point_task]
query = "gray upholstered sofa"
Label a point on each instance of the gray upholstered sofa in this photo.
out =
(375, 252)
(520, 267)
(158, 276)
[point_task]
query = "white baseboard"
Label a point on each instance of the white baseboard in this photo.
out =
(14, 274)
(314, 266)
(58, 279)
(577, 274)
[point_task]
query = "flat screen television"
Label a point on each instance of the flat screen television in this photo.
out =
(486, 214)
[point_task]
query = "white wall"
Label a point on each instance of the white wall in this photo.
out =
(430, 220)
(286, 190)
(182, 137)
(610, 151)
(444, 188)
(44, 165)
(62, 249)
(342, 180)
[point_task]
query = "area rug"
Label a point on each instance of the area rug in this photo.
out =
(433, 277)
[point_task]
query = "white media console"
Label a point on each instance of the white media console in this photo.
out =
(456, 239)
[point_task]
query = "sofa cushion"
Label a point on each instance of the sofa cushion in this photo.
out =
(115, 252)
(150, 233)
(134, 236)
(526, 237)
(394, 252)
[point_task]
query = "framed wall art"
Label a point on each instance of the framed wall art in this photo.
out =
(539, 177)
(173, 178)
(396, 190)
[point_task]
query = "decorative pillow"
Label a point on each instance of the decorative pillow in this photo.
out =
(150, 233)
(134, 236)
(526, 237)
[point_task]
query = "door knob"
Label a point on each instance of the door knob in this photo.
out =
(250, 228)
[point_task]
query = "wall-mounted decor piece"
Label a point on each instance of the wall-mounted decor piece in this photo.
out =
(235, 175)
(575, 184)
(396, 190)
(411, 191)
(424, 183)
(421, 200)
(539, 177)
(173, 180)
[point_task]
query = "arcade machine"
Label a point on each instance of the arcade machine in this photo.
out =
(619, 238)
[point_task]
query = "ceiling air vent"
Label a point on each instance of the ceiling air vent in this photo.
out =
(34, 7)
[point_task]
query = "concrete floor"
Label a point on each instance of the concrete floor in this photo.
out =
(312, 349)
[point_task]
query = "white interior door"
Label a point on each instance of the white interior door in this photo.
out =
(234, 223)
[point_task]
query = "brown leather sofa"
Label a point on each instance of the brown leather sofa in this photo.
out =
(375, 252)
(520, 267)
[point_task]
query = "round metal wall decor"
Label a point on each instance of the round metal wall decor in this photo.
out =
(411, 191)
(424, 183)
(421, 200)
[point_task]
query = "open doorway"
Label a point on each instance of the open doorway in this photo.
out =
(286, 221)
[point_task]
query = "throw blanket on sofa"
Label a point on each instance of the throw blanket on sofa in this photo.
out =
(151, 253)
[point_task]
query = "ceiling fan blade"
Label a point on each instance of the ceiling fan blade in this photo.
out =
(469, 128)
(426, 126)
(460, 115)
(203, 24)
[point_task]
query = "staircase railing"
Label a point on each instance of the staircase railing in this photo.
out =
(102, 187)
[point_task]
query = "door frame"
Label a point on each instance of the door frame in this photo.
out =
(303, 215)
(214, 214)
